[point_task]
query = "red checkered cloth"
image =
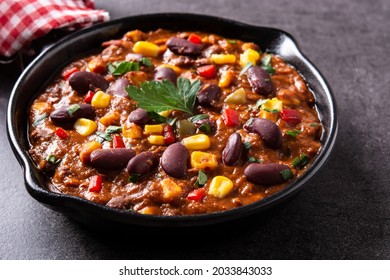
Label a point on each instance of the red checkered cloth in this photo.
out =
(22, 21)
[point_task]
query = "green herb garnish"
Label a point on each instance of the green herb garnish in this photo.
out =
(266, 64)
(246, 67)
(118, 68)
(258, 104)
(206, 128)
(162, 96)
(286, 174)
(198, 117)
(134, 178)
(146, 61)
(273, 111)
(313, 124)
(247, 145)
(253, 159)
(113, 129)
(157, 117)
(293, 133)
(103, 136)
(39, 120)
(73, 109)
(300, 161)
(232, 41)
(52, 159)
(202, 179)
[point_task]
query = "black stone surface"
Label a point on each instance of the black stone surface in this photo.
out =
(344, 212)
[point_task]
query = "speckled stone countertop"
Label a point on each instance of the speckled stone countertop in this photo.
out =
(343, 213)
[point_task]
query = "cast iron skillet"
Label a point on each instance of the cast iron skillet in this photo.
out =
(48, 63)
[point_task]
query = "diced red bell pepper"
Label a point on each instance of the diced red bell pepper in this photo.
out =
(61, 133)
(290, 116)
(230, 117)
(207, 71)
(88, 97)
(196, 195)
(169, 135)
(194, 39)
(117, 142)
(95, 184)
(67, 73)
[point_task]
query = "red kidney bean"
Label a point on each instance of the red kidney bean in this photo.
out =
(268, 131)
(174, 160)
(183, 47)
(118, 87)
(111, 159)
(233, 149)
(142, 164)
(165, 73)
(84, 81)
(260, 80)
(208, 95)
(139, 116)
(265, 174)
(62, 116)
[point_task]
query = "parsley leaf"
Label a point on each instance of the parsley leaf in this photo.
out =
(293, 133)
(113, 129)
(146, 61)
(52, 159)
(118, 68)
(266, 64)
(202, 178)
(162, 96)
(198, 117)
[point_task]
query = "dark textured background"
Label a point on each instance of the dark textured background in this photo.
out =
(344, 213)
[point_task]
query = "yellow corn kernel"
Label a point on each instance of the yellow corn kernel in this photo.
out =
(236, 97)
(85, 127)
(223, 58)
(153, 129)
(100, 100)
(226, 79)
(269, 116)
(110, 118)
(249, 55)
(274, 105)
(220, 186)
(131, 130)
(165, 113)
(170, 189)
(146, 48)
(87, 149)
(156, 140)
(202, 160)
(173, 67)
(197, 142)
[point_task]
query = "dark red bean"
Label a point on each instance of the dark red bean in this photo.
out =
(174, 160)
(233, 149)
(118, 87)
(142, 164)
(65, 118)
(208, 95)
(260, 80)
(166, 73)
(265, 174)
(111, 159)
(139, 116)
(268, 131)
(183, 47)
(84, 81)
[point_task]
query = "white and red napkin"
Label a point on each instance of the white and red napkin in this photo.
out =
(22, 21)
